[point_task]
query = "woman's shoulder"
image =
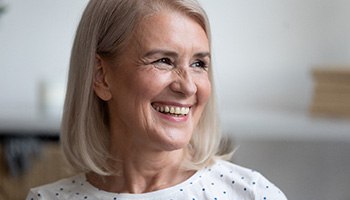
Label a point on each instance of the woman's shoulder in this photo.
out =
(231, 169)
(58, 189)
(243, 181)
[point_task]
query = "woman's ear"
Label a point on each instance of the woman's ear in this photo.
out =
(100, 83)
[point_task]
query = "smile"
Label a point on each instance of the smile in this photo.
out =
(173, 110)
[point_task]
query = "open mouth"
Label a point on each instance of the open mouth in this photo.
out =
(172, 110)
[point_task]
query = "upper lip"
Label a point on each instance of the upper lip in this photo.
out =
(174, 104)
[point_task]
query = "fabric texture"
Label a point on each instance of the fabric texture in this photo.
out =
(221, 181)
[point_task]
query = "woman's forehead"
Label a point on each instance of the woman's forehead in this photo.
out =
(171, 28)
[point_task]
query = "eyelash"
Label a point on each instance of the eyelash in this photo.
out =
(201, 64)
(164, 61)
(198, 63)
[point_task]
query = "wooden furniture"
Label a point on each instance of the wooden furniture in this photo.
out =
(332, 91)
(48, 166)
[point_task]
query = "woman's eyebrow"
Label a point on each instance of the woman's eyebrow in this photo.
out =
(161, 52)
(202, 55)
(174, 54)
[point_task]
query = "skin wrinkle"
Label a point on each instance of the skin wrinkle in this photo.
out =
(182, 76)
(152, 148)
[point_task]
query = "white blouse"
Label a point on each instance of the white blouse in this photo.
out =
(221, 181)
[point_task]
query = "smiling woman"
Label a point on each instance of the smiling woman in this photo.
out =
(139, 119)
(144, 77)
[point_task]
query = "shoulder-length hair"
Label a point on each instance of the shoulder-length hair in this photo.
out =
(104, 29)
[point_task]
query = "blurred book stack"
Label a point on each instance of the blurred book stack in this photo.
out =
(331, 92)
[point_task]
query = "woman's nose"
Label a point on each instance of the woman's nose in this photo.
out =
(183, 83)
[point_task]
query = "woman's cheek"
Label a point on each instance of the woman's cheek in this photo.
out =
(204, 90)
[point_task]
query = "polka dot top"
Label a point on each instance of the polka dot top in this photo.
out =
(221, 181)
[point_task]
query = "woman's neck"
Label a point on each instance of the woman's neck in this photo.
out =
(143, 171)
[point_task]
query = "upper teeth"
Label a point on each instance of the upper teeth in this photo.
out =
(173, 110)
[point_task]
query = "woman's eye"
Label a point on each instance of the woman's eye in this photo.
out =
(200, 64)
(164, 61)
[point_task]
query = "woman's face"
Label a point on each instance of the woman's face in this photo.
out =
(160, 85)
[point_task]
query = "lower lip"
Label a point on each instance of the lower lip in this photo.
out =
(171, 118)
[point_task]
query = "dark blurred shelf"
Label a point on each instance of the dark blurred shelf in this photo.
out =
(45, 128)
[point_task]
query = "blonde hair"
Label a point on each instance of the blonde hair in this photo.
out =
(104, 29)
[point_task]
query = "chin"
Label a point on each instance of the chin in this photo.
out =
(175, 143)
(177, 146)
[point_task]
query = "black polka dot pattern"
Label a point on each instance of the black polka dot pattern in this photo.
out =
(221, 181)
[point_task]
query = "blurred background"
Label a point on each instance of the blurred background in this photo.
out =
(282, 70)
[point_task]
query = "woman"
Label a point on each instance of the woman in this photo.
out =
(139, 118)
